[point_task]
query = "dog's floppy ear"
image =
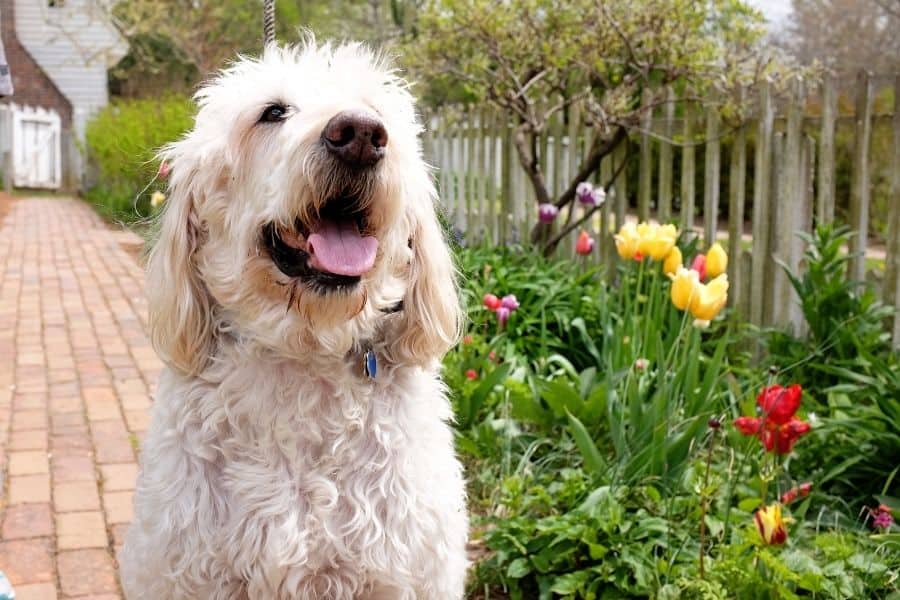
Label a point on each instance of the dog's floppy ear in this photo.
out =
(180, 317)
(431, 316)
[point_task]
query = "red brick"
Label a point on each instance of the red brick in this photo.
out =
(76, 466)
(77, 530)
(27, 561)
(36, 591)
(84, 572)
(75, 496)
(120, 477)
(27, 521)
(29, 488)
(28, 462)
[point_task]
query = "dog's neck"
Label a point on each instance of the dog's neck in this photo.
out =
(368, 357)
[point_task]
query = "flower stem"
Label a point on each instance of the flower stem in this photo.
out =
(704, 501)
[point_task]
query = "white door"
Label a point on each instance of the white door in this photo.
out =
(36, 148)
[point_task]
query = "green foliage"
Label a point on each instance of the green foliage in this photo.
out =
(850, 374)
(122, 140)
(586, 466)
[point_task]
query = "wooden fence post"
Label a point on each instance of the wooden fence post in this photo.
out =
(825, 201)
(621, 186)
(892, 266)
(664, 202)
(646, 165)
(506, 180)
(859, 179)
(774, 277)
(492, 187)
(688, 175)
(761, 193)
(790, 211)
(711, 179)
(737, 182)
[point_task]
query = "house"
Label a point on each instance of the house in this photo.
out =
(59, 52)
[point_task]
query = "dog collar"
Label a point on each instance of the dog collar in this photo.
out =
(370, 360)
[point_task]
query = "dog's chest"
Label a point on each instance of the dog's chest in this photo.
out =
(321, 479)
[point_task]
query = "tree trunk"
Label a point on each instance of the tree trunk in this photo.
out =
(599, 149)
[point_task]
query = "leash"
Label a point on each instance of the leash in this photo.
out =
(268, 21)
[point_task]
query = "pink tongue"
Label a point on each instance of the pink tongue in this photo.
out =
(338, 247)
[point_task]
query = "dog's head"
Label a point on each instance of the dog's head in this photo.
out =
(300, 213)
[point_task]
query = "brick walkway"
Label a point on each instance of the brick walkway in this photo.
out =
(76, 376)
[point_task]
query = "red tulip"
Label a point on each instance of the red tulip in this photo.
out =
(777, 429)
(585, 244)
(471, 374)
(779, 404)
(491, 302)
(798, 491)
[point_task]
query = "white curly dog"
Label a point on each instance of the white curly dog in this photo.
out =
(301, 294)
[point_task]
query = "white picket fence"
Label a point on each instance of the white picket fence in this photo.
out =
(31, 142)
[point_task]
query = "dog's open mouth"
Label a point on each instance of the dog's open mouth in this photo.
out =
(333, 251)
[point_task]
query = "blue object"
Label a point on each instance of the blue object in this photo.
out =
(6, 589)
(370, 365)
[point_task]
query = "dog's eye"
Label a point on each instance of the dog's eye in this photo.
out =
(273, 113)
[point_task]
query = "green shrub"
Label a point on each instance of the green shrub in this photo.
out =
(845, 364)
(122, 141)
(596, 432)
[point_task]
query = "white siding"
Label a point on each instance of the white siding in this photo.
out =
(75, 45)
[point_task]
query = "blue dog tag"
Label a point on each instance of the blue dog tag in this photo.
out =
(370, 364)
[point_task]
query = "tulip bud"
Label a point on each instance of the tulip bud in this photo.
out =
(699, 265)
(673, 261)
(510, 302)
(491, 302)
(627, 241)
(716, 260)
(584, 193)
(770, 525)
(585, 244)
(547, 212)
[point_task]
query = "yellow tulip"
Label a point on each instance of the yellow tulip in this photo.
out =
(685, 284)
(656, 241)
(627, 241)
(710, 298)
(673, 261)
(770, 524)
(157, 198)
(716, 260)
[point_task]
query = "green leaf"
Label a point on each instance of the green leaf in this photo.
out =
(518, 568)
(593, 460)
(749, 504)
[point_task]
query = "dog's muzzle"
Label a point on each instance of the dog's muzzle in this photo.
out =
(355, 138)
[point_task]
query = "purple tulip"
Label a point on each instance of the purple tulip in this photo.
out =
(599, 196)
(503, 315)
(585, 193)
(547, 212)
(510, 302)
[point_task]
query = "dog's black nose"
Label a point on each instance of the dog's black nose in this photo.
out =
(356, 138)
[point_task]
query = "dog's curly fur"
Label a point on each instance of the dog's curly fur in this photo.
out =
(273, 467)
